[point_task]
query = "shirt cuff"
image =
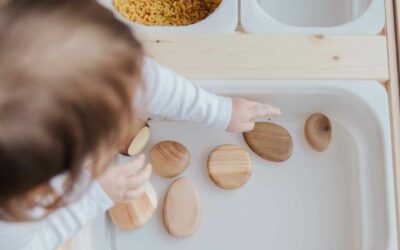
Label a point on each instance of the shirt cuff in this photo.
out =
(99, 196)
(224, 113)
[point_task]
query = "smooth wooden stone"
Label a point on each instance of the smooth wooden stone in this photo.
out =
(181, 210)
(318, 131)
(229, 166)
(270, 141)
(137, 142)
(134, 214)
(169, 158)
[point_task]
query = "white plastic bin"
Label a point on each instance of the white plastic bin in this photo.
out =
(340, 199)
(223, 19)
(313, 16)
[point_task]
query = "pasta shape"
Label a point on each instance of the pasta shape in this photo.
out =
(166, 12)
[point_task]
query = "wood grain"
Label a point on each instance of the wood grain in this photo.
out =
(136, 213)
(169, 158)
(393, 23)
(318, 131)
(137, 141)
(262, 56)
(229, 166)
(393, 16)
(270, 141)
(181, 210)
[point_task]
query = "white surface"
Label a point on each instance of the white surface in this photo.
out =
(223, 19)
(313, 16)
(342, 198)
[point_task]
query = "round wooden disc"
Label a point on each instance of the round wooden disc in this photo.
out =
(139, 139)
(229, 166)
(169, 158)
(318, 131)
(270, 141)
(181, 210)
(134, 214)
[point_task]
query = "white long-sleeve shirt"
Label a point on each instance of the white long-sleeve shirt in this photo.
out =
(165, 94)
(168, 94)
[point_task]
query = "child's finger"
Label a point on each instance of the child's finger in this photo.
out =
(261, 110)
(138, 180)
(134, 166)
(248, 126)
(271, 110)
(134, 193)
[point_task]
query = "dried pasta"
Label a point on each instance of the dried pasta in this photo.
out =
(166, 12)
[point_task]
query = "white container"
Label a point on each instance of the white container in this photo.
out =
(341, 199)
(223, 19)
(313, 16)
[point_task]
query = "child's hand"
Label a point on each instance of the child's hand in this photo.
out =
(245, 112)
(125, 182)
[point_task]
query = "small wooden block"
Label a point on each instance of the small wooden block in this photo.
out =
(270, 141)
(139, 139)
(134, 214)
(181, 210)
(229, 166)
(318, 131)
(169, 158)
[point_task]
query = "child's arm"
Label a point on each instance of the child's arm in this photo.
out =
(58, 227)
(168, 94)
(118, 183)
(61, 225)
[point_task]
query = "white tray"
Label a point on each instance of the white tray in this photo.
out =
(223, 19)
(313, 16)
(342, 199)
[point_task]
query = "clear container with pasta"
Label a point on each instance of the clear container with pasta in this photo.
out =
(176, 15)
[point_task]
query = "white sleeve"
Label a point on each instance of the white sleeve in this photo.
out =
(165, 93)
(61, 225)
(58, 227)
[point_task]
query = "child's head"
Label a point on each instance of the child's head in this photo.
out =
(68, 71)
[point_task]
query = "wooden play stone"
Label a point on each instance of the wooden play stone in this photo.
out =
(318, 131)
(139, 139)
(169, 158)
(181, 210)
(270, 141)
(229, 166)
(134, 214)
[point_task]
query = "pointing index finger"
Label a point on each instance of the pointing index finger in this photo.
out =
(261, 110)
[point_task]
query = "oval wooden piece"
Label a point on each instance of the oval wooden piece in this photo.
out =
(229, 166)
(318, 131)
(270, 141)
(169, 158)
(140, 139)
(181, 210)
(134, 214)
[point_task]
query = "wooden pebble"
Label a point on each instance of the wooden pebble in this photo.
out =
(318, 131)
(229, 166)
(134, 214)
(181, 210)
(169, 158)
(141, 136)
(270, 141)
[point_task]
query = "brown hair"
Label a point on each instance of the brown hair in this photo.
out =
(68, 71)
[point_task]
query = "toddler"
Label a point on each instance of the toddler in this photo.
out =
(72, 81)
